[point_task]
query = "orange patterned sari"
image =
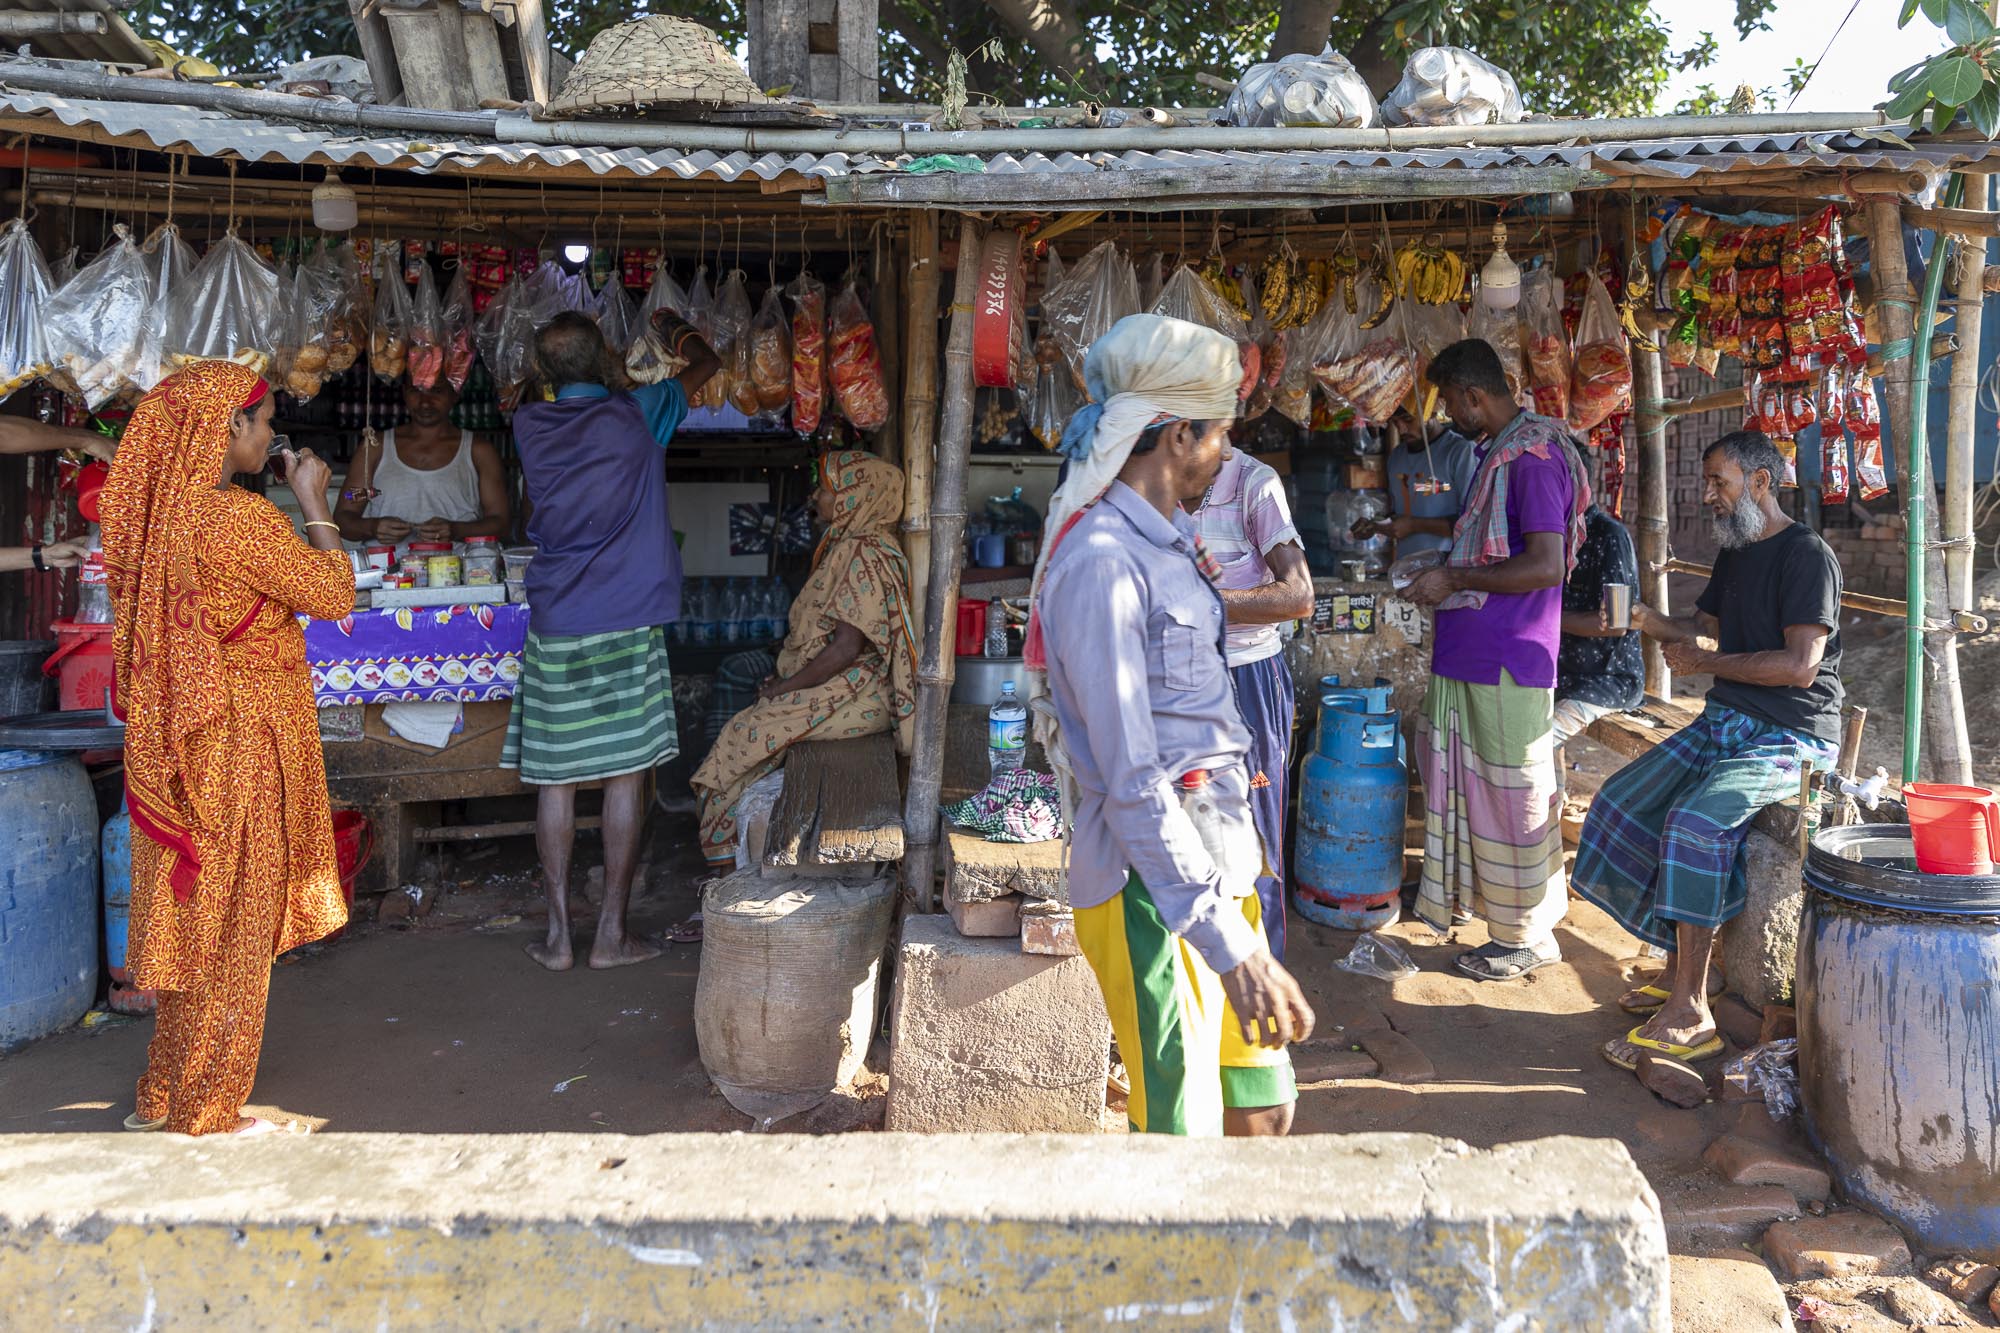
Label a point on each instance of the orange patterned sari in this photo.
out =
(224, 775)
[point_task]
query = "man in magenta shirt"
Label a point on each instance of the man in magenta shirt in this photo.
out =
(1492, 832)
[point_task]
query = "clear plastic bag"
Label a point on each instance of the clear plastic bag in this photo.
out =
(1547, 343)
(458, 355)
(317, 306)
(1099, 290)
(427, 335)
(1448, 85)
(169, 261)
(1768, 1071)
(733, 318)
(854, 363)
(1501, 330)
(96, 324)
(771, 355)
(617, 316)
(389, 328)
(648, 360)
(506, 336)
(808, 353)
(701, 314)
(347, 327)
(1323, 90)
(1377, 956)
(1372, 380)
(226, 309)
(1186, 295)
(1056, 397)
(1601, 377)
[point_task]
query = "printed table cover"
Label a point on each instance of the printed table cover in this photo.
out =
(426, 653)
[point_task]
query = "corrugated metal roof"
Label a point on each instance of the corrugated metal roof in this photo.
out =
(218, 134)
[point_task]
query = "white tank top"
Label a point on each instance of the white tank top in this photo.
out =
(415, 495)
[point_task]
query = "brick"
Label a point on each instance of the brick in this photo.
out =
(1679, 1084)
(1965, 1280)
(1919, 1307)
(1780, 1021)
(995, 919)
(1844, 1244)
(1724, 1212)
(1993, 1302)
(1736, 1020)
(1049, 929)
(1400, 1059)
(1727, 1292)
(983, 1037)
(1743, 1161)
(1331, 1058)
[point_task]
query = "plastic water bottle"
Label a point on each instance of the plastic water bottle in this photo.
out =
(1006, 732)
(734, 612)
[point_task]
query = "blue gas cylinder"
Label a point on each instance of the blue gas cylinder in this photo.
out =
(125, 998)
(48, 894)
(1347, 865)
(1376, 696)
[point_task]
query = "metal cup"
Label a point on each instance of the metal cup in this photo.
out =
(1617, 606)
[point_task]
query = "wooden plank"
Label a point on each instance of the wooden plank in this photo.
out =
(431, 77)
(859, 51)
(778, 44)
(1629, 735)
(485, 64)
(841, 805)
(1288, 184)
(378, 50)
(538, 61)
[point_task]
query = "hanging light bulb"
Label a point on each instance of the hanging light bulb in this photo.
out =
(1500, 279)
(576, 254)
(334, 205)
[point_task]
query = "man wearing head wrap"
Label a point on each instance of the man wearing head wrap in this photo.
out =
(1164, 853)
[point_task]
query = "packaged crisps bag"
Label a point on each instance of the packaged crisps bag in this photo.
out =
(855, 363)
(808, 353)
(771, 355)
(1601, 382)
(427, 331)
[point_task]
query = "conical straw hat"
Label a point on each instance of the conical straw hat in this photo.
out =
(657, 59)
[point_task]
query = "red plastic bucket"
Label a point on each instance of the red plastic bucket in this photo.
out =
(82, 664)
(971, 627)
(353, 844)
(1956, 830)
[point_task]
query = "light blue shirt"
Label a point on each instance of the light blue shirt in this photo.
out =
(1134, 638)
(664, 404)
(1451, 459)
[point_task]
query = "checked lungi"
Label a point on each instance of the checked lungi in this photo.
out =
(1265, 699)
(1664, 838)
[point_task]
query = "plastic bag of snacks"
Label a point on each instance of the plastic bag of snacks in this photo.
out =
(733, 318)
(648, 361)
(506, 336)
(96, 324)
(1372, 380)
(701, 314)
(1601, 382)
(771, 354)
(1056, 397)
(320, 302)
(427, 332)
(347, 328)
(1187, 296)
(617, 316)
(458, 355)
(1864, 420)
(226, 309)
(1547, 343)
(169, 261)
(1502, 331)
(808, 352)
(1099, 290)
(389, 329)
(855, 364)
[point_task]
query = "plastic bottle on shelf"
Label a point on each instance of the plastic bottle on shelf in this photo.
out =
(1006, 732)
(734, 612)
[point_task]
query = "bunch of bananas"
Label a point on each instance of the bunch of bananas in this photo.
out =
(1429, 272)
(1216, 275)
(1638, 286)
(1385, 289)
(1292, 290)
(1344, 268)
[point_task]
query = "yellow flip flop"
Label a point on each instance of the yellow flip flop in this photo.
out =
(1658, 995)
(1672, 1050)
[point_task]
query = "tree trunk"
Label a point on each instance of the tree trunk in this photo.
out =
(1303, 27)
(1052, 32)
(1650, 529)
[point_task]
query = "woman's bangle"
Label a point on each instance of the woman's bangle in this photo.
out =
(323, 523)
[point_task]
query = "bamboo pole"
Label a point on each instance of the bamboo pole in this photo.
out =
(1651, 530)
(1956, 520)
(920, 401)
(920, 813)
(889, 334)
(1963, 622)
(1938, 712)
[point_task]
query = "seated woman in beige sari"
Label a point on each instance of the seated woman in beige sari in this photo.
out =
(848, 667)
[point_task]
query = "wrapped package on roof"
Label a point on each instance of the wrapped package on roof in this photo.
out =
(1448, 85)
(1322, 90)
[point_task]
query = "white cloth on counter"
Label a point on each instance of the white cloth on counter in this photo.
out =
(429, 724)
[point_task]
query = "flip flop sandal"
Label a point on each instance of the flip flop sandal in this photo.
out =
(137, 1125)
(1706, 1050)
(257, 1128)
(1488, 963)
(687, 932)
(1658, 996)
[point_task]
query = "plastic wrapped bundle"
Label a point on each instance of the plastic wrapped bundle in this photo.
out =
(771, 355)
(96, 325)
(649, 360)
(1448, 85)
(427, 331)
(617, 317)
(1099, 290)
(1304, 90)
(226, 310)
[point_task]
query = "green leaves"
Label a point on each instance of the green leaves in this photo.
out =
(1984, 109)
(1966, 23)
(1955, 80)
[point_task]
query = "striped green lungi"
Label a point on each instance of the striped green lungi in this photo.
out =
(1492, 836)
(591, 706)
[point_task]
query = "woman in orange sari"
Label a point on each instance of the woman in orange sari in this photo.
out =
(223, 772)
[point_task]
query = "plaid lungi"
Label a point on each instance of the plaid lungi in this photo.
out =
(1492, 838)
(1664, 838)
(591, 706)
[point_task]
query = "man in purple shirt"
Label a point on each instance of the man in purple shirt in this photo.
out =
(595, 701)
(1485, 746)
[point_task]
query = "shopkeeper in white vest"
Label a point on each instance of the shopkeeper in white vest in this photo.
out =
(429, 481)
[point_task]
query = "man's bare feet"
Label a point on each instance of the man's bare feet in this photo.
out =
(554, 952)
(623, 951)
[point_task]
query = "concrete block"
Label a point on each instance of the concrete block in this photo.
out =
(1049, 929)
(1760, 947)
(995, 919)
(1845, 1244)
(852, 1231)
(984, 1037)
(976, 870)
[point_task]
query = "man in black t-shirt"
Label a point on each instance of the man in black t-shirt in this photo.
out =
(1661, 847)
(1598, 670)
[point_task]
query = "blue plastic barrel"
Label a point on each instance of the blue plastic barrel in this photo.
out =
(116, 858)
(48, 894)
(1347, 864)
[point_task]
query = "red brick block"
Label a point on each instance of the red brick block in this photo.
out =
(995, 920)
(1399, 1057)
(1678, 1084)
(1780, 1021)
(1330, 1058)
(1049, 929)
(1737, 1020)
(1743, 1161)
(1964, 1280)
(1735, 1212)
(1845, 1244)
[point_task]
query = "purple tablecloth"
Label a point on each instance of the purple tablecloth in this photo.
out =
(432, 653)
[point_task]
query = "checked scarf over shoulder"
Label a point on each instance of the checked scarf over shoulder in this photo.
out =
(168, 652)
(1480, 536)
(862, 576)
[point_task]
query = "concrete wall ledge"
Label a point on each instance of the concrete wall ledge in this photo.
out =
(1375, 1231)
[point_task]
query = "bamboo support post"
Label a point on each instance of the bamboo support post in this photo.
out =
(1962, 622)
(1939, 711)
(920, 372)
(920, 813)
(890, 332)
(1651, 530)
(1959, 462)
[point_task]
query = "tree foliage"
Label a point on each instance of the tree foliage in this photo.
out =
(1571, 57)
(1965, 77)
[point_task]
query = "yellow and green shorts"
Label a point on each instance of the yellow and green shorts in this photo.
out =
(1182, 1047)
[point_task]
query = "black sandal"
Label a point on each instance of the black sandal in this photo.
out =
(1500, 962)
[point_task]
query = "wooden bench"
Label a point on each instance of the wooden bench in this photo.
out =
(842, 806)
(1629, 735)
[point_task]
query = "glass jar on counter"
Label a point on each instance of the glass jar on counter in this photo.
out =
(434, 564)
(482, 562)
